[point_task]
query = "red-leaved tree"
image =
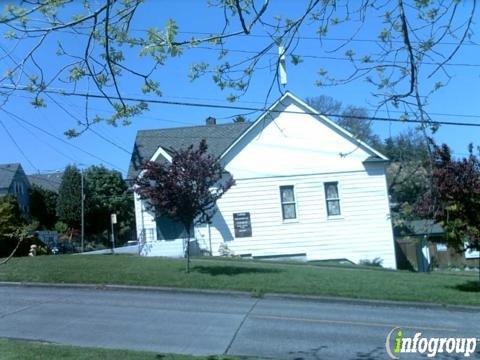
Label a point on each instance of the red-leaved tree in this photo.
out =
(185, 190)
(454, 198)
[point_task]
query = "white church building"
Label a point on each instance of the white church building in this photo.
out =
(304, 188)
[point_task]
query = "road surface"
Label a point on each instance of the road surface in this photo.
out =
(202, 324)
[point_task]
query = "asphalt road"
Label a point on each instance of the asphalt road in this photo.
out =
(220, 324)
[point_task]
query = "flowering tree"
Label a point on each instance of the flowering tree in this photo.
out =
(187, 189)
(454, 198)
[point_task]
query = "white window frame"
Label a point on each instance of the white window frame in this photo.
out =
(294, 202)
(329, 216)
(150, 234)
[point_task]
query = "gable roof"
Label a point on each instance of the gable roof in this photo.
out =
(224, 137)
(219, 137)
(47, 181)
(7, 173)
(282, 102)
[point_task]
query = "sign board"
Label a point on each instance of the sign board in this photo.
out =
(113, 218)
(242, 224)
(471, 254)
(442, 247)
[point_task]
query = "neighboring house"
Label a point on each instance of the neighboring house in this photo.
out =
(421, 246)
(13, 181)
(304, 188)
(47, 181)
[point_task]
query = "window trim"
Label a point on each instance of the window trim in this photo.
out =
(294, 202)
(335, 216)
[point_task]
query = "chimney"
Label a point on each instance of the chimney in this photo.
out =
(211, 121)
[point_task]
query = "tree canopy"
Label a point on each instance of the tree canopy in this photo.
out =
(454, 198)
(99, 43)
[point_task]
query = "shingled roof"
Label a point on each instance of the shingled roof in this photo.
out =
(7, 173)
(49, 181)
(219, 138)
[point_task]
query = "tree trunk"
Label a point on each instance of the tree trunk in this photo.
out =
(188, 250)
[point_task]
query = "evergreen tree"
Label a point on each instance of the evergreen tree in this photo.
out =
(43, 206)
(69, 198)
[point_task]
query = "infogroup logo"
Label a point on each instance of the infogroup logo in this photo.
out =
(397, 343)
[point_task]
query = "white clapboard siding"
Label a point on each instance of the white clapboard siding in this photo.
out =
(363, 231)
(293, 143)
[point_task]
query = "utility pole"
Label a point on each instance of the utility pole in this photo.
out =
(83, 211)
(113, 221)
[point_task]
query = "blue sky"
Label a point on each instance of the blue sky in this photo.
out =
(45, 153)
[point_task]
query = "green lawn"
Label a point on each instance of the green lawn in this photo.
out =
(253, 276)
(29, 350)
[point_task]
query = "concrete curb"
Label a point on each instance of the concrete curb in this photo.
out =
(236, 293)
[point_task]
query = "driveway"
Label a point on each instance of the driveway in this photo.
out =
(200, 324)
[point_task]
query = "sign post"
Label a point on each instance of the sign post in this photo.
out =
(113, 221)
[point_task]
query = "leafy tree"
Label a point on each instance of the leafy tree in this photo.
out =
(43, 206)
(352, 118)
(107, 194)
(325, 104)
(15, 235)
(69, 197)
(408, 63)
(407, 174)
(61, 227)
(239, 119)
(185, 190)
(406, 146)
(355, 120)
(454, 200)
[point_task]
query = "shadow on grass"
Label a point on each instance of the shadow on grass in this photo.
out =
(232, 270)
(469, 286)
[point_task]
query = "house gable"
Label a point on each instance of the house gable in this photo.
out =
(291, 138)
(8, 172)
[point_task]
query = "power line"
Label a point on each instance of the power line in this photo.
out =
(143, 115)
(318, 38)
(20, 150)
(244, 108)
(88, 126)
(243, 102)
(44, 142)
(60, 139)
(309, 56)
(110, 141)
(335, 58)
